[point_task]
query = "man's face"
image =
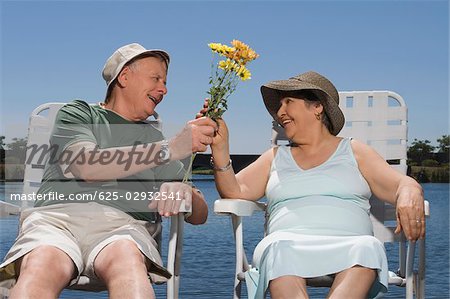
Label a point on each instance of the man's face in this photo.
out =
(146, 86)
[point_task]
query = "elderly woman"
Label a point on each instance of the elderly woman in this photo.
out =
(318, 189)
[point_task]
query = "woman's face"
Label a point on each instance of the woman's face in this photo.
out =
(297, 116)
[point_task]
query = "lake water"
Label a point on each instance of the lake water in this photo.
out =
(208, 255)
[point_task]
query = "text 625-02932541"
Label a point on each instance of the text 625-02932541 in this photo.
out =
(105, 195)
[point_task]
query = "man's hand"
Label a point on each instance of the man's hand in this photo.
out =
(195, 137)
(220, 138)
(172, 195)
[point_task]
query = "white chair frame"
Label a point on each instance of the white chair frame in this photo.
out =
(41, 123)
(378, 118)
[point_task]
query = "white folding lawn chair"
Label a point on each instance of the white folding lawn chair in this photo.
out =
(39, 130)
(378, 118)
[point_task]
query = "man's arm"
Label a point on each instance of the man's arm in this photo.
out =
(94, 164)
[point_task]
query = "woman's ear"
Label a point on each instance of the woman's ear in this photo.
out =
(318, 108)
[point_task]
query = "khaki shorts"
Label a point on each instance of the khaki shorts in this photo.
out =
(82, 230)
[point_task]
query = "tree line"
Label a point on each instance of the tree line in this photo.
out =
(428, 163)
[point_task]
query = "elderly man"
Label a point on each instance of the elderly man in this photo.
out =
(108, 152)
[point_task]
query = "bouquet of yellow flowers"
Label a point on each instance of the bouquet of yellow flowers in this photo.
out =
(226, 73)
(224, 78)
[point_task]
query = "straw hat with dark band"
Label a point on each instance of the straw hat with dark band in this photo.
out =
(272, 93)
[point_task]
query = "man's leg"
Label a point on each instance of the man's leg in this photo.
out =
(288, 287)
(353, 283)
(44, 272)
(121, 265)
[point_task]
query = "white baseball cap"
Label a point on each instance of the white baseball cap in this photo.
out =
(123, 55)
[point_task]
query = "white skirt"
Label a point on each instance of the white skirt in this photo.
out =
(314, 237)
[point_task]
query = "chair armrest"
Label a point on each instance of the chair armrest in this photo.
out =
(8, 209)
(175, 249)
(238, 207)
(182, 209)
(426, 208)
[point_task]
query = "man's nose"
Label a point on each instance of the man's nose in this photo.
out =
(162, 88)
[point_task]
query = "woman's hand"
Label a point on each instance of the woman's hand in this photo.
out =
(220, 140)
(410, 212)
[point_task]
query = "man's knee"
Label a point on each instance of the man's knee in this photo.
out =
(47, 261)
(119, 256)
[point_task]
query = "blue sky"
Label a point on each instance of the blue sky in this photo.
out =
(55, 51)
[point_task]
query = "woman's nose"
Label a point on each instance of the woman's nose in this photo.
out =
(281, 111)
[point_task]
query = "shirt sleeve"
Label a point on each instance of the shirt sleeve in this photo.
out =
(73, 126)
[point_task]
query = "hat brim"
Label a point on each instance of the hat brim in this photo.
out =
(272, 93)
(143, 54)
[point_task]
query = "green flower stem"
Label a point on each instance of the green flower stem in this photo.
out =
(189, 170)
(223, 83)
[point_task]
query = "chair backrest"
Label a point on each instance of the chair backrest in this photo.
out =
(379, 119)
(40, 127)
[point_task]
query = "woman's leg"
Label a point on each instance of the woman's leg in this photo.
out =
(353, 283)
(289, 287)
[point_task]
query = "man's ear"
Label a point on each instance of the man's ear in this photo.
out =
(122, 78)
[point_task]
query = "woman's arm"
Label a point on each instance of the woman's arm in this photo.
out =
(250, 183)
(391, 186)
(199, 208)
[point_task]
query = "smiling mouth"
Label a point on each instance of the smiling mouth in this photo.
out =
(286, 122)
(153, 99)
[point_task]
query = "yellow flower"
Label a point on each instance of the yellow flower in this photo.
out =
(246, 75)
(228, 65)
(252, 55)
(237, 57)
(227, 50)
(223, 50)
(243, 53)
(240, 52)
(224, 78)
(214, 46)
(222, 64)
(243, 73)
(225, 64)
(238, 44)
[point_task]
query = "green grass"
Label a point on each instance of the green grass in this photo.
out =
(203, 171)
(426, 174)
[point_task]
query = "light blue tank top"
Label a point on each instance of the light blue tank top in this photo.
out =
(329, 199)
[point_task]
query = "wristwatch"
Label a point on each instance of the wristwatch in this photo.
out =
(164, 152)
